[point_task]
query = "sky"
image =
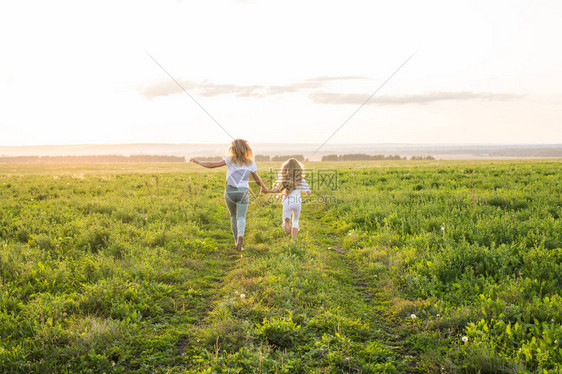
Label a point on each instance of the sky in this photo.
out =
(482, 71)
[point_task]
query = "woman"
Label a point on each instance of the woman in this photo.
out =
(240, 162)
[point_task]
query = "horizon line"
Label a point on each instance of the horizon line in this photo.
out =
(283, 143)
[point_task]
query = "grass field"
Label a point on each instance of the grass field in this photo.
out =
(433, 266)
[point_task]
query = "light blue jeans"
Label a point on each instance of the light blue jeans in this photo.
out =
(237, 200)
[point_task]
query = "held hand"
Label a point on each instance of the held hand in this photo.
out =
(264, 189)
(194, 160)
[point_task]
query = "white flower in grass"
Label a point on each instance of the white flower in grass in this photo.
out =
(242, 295)
(443, 228)
(413, 316)
(236, 292)
(438, 315)
(464, 339)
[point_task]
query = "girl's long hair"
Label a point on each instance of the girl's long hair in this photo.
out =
(240, 152)
(290, 176)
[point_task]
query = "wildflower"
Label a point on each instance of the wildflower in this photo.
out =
(236, 292)
(242, 295)
(464, 339)
(413, 316)
(443, 228)
(438, 315)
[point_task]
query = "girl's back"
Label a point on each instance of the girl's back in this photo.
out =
(295, 195)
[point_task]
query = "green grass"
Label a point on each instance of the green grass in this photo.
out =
(131, 268)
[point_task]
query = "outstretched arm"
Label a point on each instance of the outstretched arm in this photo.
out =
(208, 164)
(259, 181)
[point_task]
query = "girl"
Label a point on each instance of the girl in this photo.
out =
(290, 182)
(240, 162)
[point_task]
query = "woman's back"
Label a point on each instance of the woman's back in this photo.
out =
(239, 174)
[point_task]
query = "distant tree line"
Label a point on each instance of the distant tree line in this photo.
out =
(88, 159)
(345, 157)
(286, 157)
(366, 157)
(360, 157)
(422, 158)
(209, 158)
(531, 152)
(258, 158)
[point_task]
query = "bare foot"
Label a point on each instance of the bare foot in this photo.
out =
(294, 234)
(287, 226)
(240, 242)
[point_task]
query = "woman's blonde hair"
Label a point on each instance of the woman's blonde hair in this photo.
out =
(240, 152)
(290, 175)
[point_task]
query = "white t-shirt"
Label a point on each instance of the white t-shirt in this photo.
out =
(238, 175)
(294, 197)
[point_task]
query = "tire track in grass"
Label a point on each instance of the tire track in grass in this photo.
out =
(227, 256)
(377, 299)
(208, 252)
(370, 292)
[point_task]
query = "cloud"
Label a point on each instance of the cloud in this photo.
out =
(163, 89)
(313, 86)
(356, 99)
(210, 89)
(346, 77)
